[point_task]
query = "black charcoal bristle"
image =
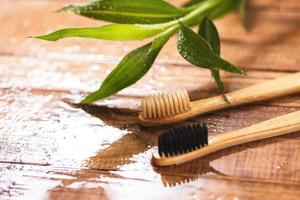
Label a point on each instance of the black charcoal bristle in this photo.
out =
(182, 139)
(199, 137)
(205, 129)
(160, 144)
(191, 141)
(178, 142)
(195, 139)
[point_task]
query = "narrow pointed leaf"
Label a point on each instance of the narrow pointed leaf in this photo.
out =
(223, 9)
(128, 11)
(243, 12)
(193, 2)
(210, 33)
(131, 68)
(217, 77)
(219, 11)
(195, 49)
(108, 32)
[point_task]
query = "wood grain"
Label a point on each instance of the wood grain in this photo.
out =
(276, 48)
(80, 184)
(52, 150)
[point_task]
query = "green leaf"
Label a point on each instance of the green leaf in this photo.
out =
(162, 38)
(216, 75)
(131, 68)
(198, 51)
(119, 32)
(223, 9)
(193, 2)
(219, 11)
(210, 33)
(129, 11)
(243, 12)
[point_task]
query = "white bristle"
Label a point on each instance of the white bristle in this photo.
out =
(165, 104)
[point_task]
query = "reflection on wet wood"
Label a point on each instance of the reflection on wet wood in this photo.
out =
(69, 183)
(54, 150)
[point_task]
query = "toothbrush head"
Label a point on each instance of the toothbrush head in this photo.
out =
(165, 104)
(182, 140)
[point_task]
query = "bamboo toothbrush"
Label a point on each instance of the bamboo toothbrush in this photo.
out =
(167, 108)
(186, 143)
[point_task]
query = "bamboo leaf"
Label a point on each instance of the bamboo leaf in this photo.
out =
(243, 12)
(129, 11)
(131, 68)
(140, 19)
(193, 2)
(195, 49)
(210, 33)
(162, 38)
(217, 77)
(222, 9)
(119, 32)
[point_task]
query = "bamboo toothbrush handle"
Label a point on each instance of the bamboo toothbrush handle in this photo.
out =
(285, 85)
(273, 127)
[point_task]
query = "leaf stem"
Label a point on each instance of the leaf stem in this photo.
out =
(192, 18)
(199, 11)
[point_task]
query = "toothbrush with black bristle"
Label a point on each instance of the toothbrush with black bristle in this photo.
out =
(189, 142)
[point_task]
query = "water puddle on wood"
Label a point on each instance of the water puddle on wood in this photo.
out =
(55, 150)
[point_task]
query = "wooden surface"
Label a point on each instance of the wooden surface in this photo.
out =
(50, 150)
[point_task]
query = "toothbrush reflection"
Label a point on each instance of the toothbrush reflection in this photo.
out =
(176, 175)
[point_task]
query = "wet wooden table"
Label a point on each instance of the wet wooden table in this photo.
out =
(50, 150)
